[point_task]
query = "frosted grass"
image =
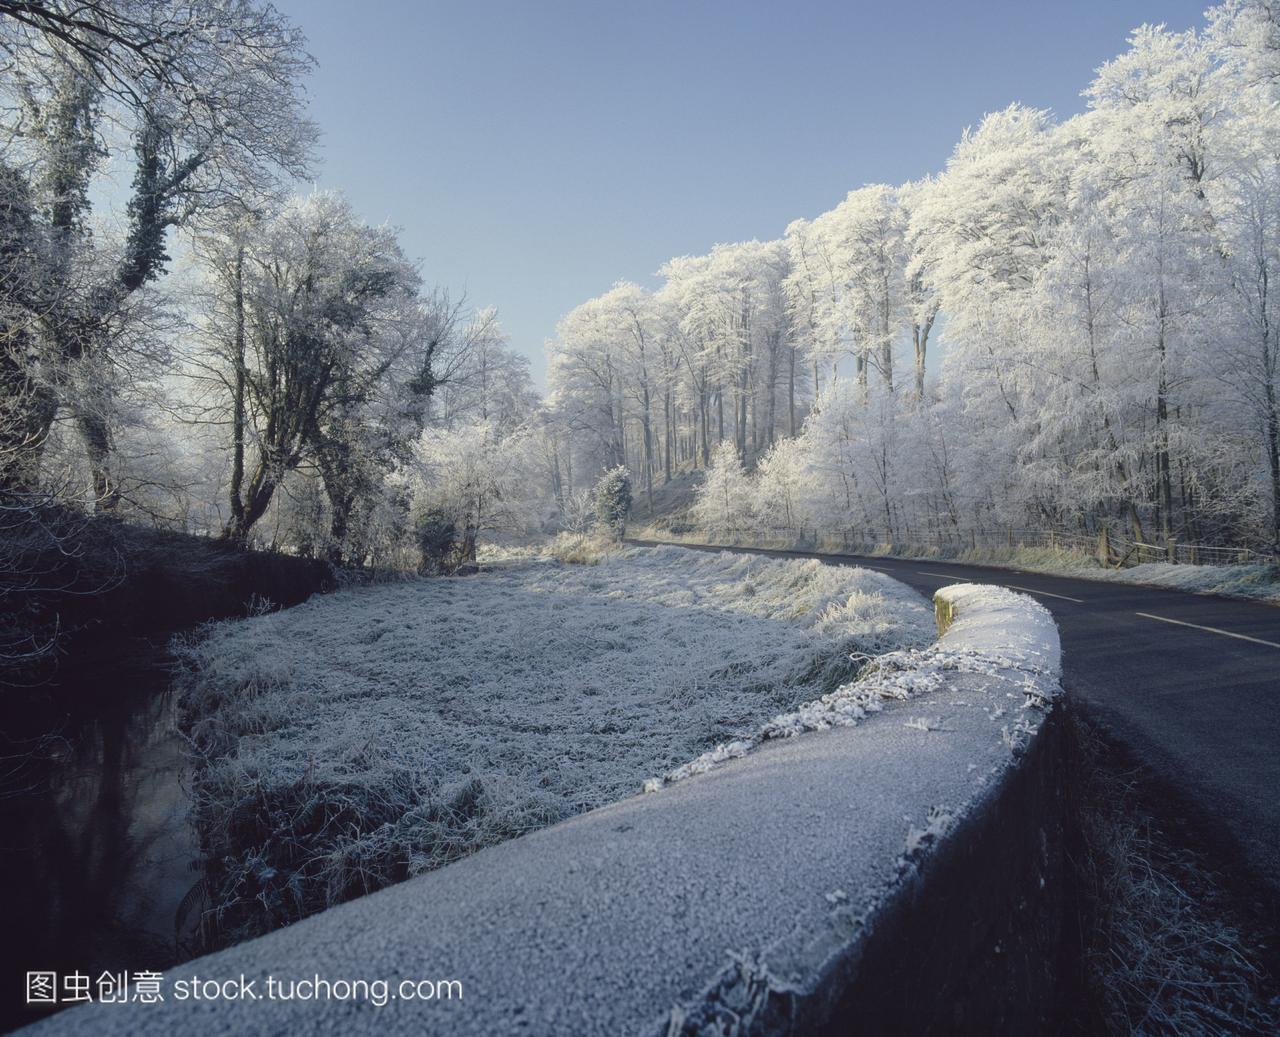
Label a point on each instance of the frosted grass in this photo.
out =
(383, 731)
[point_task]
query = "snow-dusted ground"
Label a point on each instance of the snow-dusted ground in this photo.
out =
(1257, 580)
(383, 731)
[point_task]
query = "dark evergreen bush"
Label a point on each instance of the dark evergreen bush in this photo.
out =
(613, 501)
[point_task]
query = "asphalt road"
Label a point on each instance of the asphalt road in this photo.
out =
(1189, 683)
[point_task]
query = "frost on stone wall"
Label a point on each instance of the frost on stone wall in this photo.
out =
(996, 633)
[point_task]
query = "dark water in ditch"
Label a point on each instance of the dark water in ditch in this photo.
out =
(98, 859)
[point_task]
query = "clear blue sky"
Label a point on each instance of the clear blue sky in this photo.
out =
(536, 152)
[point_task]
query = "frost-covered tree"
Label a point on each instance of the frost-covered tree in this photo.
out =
(863, 240)
(323, 348)
(1085, 305)
(466, 482)
(723, 504)
(203, 100)
(782, 487)
(654, 380)
(632, 330)
(585, 383)
(477, 375)
(1246, 202)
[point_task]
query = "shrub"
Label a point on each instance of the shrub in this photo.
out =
(438, 542)
(613, 501)
(578, 549)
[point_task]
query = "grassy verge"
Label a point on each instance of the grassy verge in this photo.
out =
(387, 730)
(1255, 581)
(1169, 944)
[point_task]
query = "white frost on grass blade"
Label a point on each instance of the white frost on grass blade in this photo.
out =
(997, 632)
(1258, 580)
(385, 730)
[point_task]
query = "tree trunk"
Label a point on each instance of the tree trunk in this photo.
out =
(648, 454)
(1273, 452)
(340, 508)
(144, 258)
(791, 391)
(261, 489)
(706, 433)
(29, 409)
(920, 339)
(668, 416)
(97, 444)
(770, 417)
(238, 391)
(886, 345)
(1164, 478)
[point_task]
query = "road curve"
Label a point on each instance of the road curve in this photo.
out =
(1189, 683)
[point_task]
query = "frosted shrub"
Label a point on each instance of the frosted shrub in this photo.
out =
(723, 501)
(613, 501)
(577, 511)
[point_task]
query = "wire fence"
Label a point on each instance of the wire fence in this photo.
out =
(1105, 547)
